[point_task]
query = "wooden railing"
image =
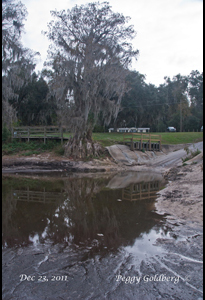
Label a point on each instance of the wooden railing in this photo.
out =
(36, 196)
(139, 141)
(38, 132)
(141, 191)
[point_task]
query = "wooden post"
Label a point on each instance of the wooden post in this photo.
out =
(149, 142)
(141, 142)
(12, 133)
(61, 133)
(160, 143)
(44, 195)
(28, 134)
(149, 190)
(132, 144)
(80, 147)
(44, 134)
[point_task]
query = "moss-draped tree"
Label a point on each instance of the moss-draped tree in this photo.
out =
(90, 54)
(17, 62)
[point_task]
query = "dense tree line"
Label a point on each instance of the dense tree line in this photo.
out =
(146, 105)
(87, 84)
(25, 98)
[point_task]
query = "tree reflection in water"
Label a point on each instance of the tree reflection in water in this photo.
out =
(76, 212)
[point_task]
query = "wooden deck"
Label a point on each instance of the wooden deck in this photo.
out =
(141, 191)
(140, 141)
(38, 132)
(36, 196)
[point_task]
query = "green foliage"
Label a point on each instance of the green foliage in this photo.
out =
(192, 154)
(31, 153)
(6, 134)
(146, 105)
(29, 148)
(17, 62)
(33, 107)
(59, 150)
(99, 128)
(192, 123)
(187, 149)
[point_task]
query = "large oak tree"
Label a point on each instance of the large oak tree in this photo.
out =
(90, 54)
(17, 62)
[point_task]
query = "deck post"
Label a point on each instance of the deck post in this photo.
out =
(12, 133)
(132, 144)
(61, 134)
(44, 134)
(160, 143)
(149, 142)
(28, 133)
(141, 142)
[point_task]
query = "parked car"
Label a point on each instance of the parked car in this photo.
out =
(202, 128)
(171, 129)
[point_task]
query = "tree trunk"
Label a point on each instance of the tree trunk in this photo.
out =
(82, 148)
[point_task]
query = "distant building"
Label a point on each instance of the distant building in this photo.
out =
(125, 129)
(144, 130)
(132, 129)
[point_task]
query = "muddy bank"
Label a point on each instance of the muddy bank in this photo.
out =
(47, 162)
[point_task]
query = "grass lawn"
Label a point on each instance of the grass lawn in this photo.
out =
(105, 139)
(170, 138)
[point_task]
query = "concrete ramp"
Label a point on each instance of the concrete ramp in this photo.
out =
(124, 179)
(122, 154)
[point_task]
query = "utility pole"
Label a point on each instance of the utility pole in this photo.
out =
(180, 114)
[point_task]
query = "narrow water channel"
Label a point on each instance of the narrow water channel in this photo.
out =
(76, 237)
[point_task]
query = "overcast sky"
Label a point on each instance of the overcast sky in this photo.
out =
(169, 33)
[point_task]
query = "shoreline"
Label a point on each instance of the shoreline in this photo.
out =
(49, 162)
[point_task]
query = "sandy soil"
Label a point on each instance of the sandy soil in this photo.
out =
(183, 197)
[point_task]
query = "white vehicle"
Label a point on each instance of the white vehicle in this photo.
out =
(171, 129)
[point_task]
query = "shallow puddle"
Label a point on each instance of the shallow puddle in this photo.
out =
(80, 211)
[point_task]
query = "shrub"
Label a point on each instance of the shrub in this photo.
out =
(192, 154)
(59, 150)
(5, 134)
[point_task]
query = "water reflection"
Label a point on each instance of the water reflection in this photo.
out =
(98, 214)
